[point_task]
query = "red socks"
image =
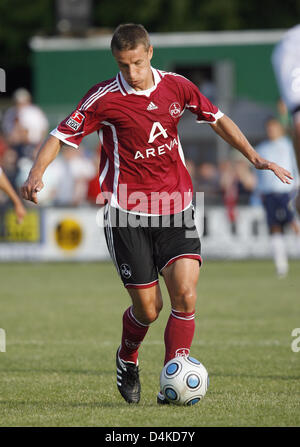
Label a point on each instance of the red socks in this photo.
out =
(179, 334)
(132, 336)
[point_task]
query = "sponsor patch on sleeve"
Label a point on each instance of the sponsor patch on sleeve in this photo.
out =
(75, 120)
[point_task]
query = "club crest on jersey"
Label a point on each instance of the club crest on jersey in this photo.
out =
(175, 109)
(125, 271)
(75, 120)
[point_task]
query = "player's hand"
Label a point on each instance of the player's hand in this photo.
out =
(31, 187)
(283, 175)
(20, 211)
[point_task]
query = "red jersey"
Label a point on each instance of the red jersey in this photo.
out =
(142, 167)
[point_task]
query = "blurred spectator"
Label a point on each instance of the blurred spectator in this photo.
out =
(192, 152)
(244, 177)
(284, 117)
(3, 147)
(53, 178)
(237, 183)
(229, 190)
(277, 197)
(78, 170)
(24, 124)
(8, 160)
(208, 181)
(66, 178)
(93, 187)
(9, 164)
(237, 179)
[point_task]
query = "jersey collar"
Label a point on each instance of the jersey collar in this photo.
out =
(126, 88)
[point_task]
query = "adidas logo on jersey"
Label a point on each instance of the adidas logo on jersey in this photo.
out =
(152, 106)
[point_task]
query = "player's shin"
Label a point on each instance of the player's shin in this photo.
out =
(179, 334)
(132, 336)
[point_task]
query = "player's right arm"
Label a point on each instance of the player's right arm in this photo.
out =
(231, 133)
(45, 156)
(84, 120)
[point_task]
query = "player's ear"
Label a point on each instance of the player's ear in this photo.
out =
(150, 52)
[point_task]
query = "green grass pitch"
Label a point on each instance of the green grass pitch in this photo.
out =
(62, 324)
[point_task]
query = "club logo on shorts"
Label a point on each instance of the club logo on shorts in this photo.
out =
(175, 109)
(75, 120)
(125, 271)
(182, 352)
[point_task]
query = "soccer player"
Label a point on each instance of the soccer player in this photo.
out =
(286, 64)
(149, 222)
(7, 187)
(277, 198)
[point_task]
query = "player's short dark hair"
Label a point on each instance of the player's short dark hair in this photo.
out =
(128, 36)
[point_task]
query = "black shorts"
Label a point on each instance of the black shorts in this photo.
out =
(142, 246)
(279, 208)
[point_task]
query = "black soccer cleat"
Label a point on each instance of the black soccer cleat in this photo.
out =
(161, 400)
(128, 381)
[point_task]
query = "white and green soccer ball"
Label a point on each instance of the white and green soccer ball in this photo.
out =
(184, 381)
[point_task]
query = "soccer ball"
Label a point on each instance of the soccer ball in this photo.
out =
(184, 381)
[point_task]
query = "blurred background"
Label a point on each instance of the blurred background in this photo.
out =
(52, 52)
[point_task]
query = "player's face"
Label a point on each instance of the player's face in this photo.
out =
(135, 66)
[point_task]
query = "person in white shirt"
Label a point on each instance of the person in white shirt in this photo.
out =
(24, 124)
(277, 198)
(286, 65)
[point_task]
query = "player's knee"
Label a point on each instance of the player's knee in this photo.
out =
(146, 307)
(185, 299)
(159, 306)
(151, 313)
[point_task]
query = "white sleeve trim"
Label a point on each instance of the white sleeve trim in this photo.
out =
(63, 137)
(216, 116)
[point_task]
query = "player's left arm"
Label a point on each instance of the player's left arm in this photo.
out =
(231, 133)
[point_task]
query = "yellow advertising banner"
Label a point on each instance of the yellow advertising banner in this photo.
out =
(28, 231)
